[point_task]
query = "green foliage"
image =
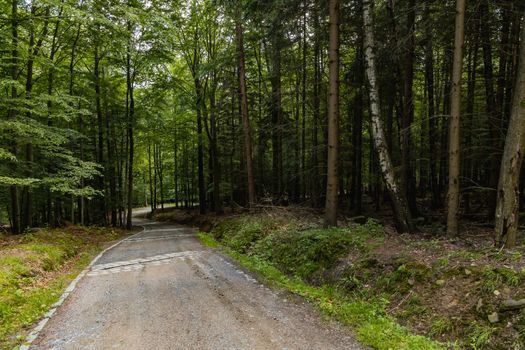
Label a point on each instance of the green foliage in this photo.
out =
(34, 272)
(303, 253)
(207, 240)
(283, 256)
(296, 252)
(492, 278)
(441, 325)
(479, 335)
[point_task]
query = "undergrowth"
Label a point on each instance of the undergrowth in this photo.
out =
(288, 257)
(396, 292)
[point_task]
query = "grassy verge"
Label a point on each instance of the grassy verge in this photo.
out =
(397, 292)
(369, 319)
(34, 270)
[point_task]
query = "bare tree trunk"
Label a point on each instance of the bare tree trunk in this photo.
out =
(357, 128)
(175, 168)
(493, 118)
(13, 190)
(333, 117)
(151, 199)
(247, 137)
(315, 181)
(407, 169)
(454, 126)
(215, 163)
(277, 116)
(471, 93)
(129, 131)
(432, 125)
(303, 104)
(508, 196)
(399, 203)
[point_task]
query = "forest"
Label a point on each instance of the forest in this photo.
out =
(411, 108)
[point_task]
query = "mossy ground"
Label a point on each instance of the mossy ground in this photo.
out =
(36, 267)
(397, 291)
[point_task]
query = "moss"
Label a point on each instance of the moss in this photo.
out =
(34, 272)
(283, 257)
(347, 274)
(406, 273)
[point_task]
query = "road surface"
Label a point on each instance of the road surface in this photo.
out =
(161, 289)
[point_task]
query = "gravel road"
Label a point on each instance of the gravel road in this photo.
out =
(161, 289)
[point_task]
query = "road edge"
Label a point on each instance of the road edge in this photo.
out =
(35, 332)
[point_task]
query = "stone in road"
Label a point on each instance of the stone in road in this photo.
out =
(161, 289)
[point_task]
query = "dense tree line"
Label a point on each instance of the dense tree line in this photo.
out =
(351, 105)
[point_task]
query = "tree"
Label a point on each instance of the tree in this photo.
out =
(454, 134)
(244, 109)
(333, 117)
(399, 203)
(508, 198)
(14, 191)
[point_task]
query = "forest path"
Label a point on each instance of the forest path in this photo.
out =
(161, 289)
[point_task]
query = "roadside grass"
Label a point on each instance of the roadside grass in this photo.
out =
(372, 325)
(36, 267)
(396, 291)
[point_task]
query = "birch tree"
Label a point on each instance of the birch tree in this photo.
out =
(399, 204)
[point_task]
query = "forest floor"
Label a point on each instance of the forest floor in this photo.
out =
(35, 268)
(417, 291)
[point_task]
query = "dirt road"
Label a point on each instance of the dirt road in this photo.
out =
(161, 289)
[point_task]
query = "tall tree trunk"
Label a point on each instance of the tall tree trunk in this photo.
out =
(33, 51)
(215, 163)
(508, 188)
(129, 131)
(159, 163)
(454, 134)
(13, 190)
(101, 203)
(399, 204)
(432, 125)
(247, 137)
(333, 117)
(151, 196)
(277, 116)
(176, 167)
(111, 165)
(200, 147)
(303, 104)
(357, 128)
(316, 177)
(493, 118)
(471, 94)
(407, 171)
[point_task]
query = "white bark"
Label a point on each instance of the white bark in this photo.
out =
(399, 203)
